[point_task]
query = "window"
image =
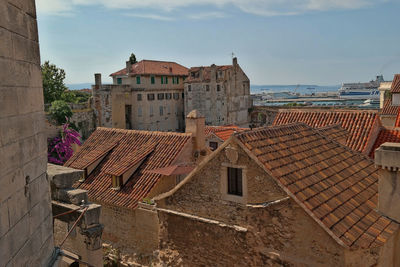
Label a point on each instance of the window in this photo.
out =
(153, 80)
(173, 79)
(213, 145)
(166, 80)
(119, 80)
(137, 79)
(139, 111)
(189, 88)
(183, 95)
(177, 80)
(168, 95)
(235, 181)
(218, 87)
(116, 182)
(161, 110)
(150, 96)
(128, 115)
(139, 97)
(176, 96)
(207, 87)
(151, 111)
(162, 79)
(160, 96)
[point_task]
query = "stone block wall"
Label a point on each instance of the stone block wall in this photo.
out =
(26, 234)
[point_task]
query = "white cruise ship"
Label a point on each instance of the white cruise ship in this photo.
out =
(367, 90)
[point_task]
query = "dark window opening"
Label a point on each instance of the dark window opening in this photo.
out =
(207, 87)
(150, 96)
(235, 181)
(176, 96)
(218, 87)
(189, 88)
(128, 116)
(153, 80)
(168, 95)
(119, 80)
(213, 145)
(139, 97)
(160, 96)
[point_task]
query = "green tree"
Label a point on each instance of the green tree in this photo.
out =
(53, 82)
(132, 59)
(60, 112)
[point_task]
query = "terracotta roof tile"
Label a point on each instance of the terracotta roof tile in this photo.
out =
(389, 109)
(334, 132)
(358, 124)
(385, 135)
(395, 84)
(174, 170)
(223, 132)
(126, 145)
(337, 186)
(147, 67)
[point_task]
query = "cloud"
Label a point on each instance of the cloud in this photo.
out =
(207, 15)
(150, 16)
(216, 7)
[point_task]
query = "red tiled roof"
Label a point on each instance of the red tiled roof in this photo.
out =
(174, 170)
(334, 132)
(358, 124)
(388, 109)
(335, 185)
(147, 67)
(223, 132)
(124, 142)
(395, 84)
(385, 135)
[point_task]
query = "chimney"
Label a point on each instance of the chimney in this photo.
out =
(97, 81)
(387, 158)
(128, 67)
(234, 61)
(195, 124)
(213, 72)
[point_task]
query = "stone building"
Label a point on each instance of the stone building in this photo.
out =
(220, 93)
(147, 95)
(26, 233)
(391, 105)
(122, 168)
(283, 196)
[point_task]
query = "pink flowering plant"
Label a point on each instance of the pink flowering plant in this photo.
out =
(60, 147)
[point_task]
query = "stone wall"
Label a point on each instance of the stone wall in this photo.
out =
(279, 232)
(26, 235)
(130, 231)
(262, 116)
(85, 120)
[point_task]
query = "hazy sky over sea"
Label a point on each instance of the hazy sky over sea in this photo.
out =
(276, 41)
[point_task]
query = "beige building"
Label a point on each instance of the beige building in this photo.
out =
(284, 196)
(147, 95)
(220, 93)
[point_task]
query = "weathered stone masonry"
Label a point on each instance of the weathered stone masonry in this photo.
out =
(25, 213)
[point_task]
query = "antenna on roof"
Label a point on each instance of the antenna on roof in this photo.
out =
(233, 55)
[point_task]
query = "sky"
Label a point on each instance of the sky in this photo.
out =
(323, 42)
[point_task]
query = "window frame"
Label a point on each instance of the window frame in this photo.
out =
(224, 183)
(150, 98)
(119, 81)
(139, 97)
(152, 79)
(138, 81)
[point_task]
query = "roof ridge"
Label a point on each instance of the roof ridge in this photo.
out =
(129, 131)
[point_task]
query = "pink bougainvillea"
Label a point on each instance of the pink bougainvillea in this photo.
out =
(60, 148)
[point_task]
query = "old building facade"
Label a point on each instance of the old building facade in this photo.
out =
(284, 195)
(147, 95)
(220, 93)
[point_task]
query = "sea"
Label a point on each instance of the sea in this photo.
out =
(302, 89)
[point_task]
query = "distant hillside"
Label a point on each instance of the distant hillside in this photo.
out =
(78, 86)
